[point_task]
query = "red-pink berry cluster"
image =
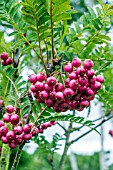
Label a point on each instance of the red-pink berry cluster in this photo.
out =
(78, 90)
(13, 132)
(6, 60)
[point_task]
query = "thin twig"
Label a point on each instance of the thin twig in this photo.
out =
(47, 53)
(103, 121)
(52, 33)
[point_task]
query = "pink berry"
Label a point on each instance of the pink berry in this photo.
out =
(9, 61)
(73, 84)
(111, 132)
(49, 102)
(96, 85)
(88, 63)
(7, 117)
(19, 139)
(4, 56)
(84, 103)
(72, 75)
(68, 68)
(18, 130)
(32, 88)
(33, 78)
(92, 80)
(27, 128)
(39, 86)
(52, 95)
(10, 109)
(3, 130)
(41, 77)
(1, 103)
(1, 123)
(51, 81)
(90, 73)
(10, 135)
(14, 119)
(13, 145)
(100, 78)
(68, 92)
(43, 95)
(4, 139)
(4, 62)
(44, 126)
(76, 62)
(82, 81)
(67, 81)
(47, 87)
(59, 96)
(81, 70)
(59, 87)
(27, 136)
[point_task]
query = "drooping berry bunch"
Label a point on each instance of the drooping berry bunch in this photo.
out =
(78, 89)
(6, 60)
(13, 131)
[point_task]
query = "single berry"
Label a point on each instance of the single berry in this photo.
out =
(82, 81)
(73, 84)
(1, 123)
(18, 130)
(52, 95)
(76, 62)
(3, 130)
(49, 102)
(14, 119)
(13, 145)
(4, 139)
(9, 61)
(27, 128)
(10, 109)
(4, 56)
(100, 78)
(39, 86)
(68, 92)
(32, 88)
(41, 77)
(10, 136)
(96, 85)
(19, 139)
(81, 71)
(27, 136)
(51, 81)
(44, 95)
(84, 103)
(59, 96)
(59, 87)
(90, 73)
(72, 75)
(68, 68)
(47, 87)
(33, 78)
(7, 117)
(1, 103)
(88, 63)
(4, 63)
(111, 132)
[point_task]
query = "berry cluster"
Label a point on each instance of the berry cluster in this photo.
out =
(6, 60)
(78, 90)
(13, 131)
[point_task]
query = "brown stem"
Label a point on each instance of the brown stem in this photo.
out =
(52, 38)
(46, 52)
